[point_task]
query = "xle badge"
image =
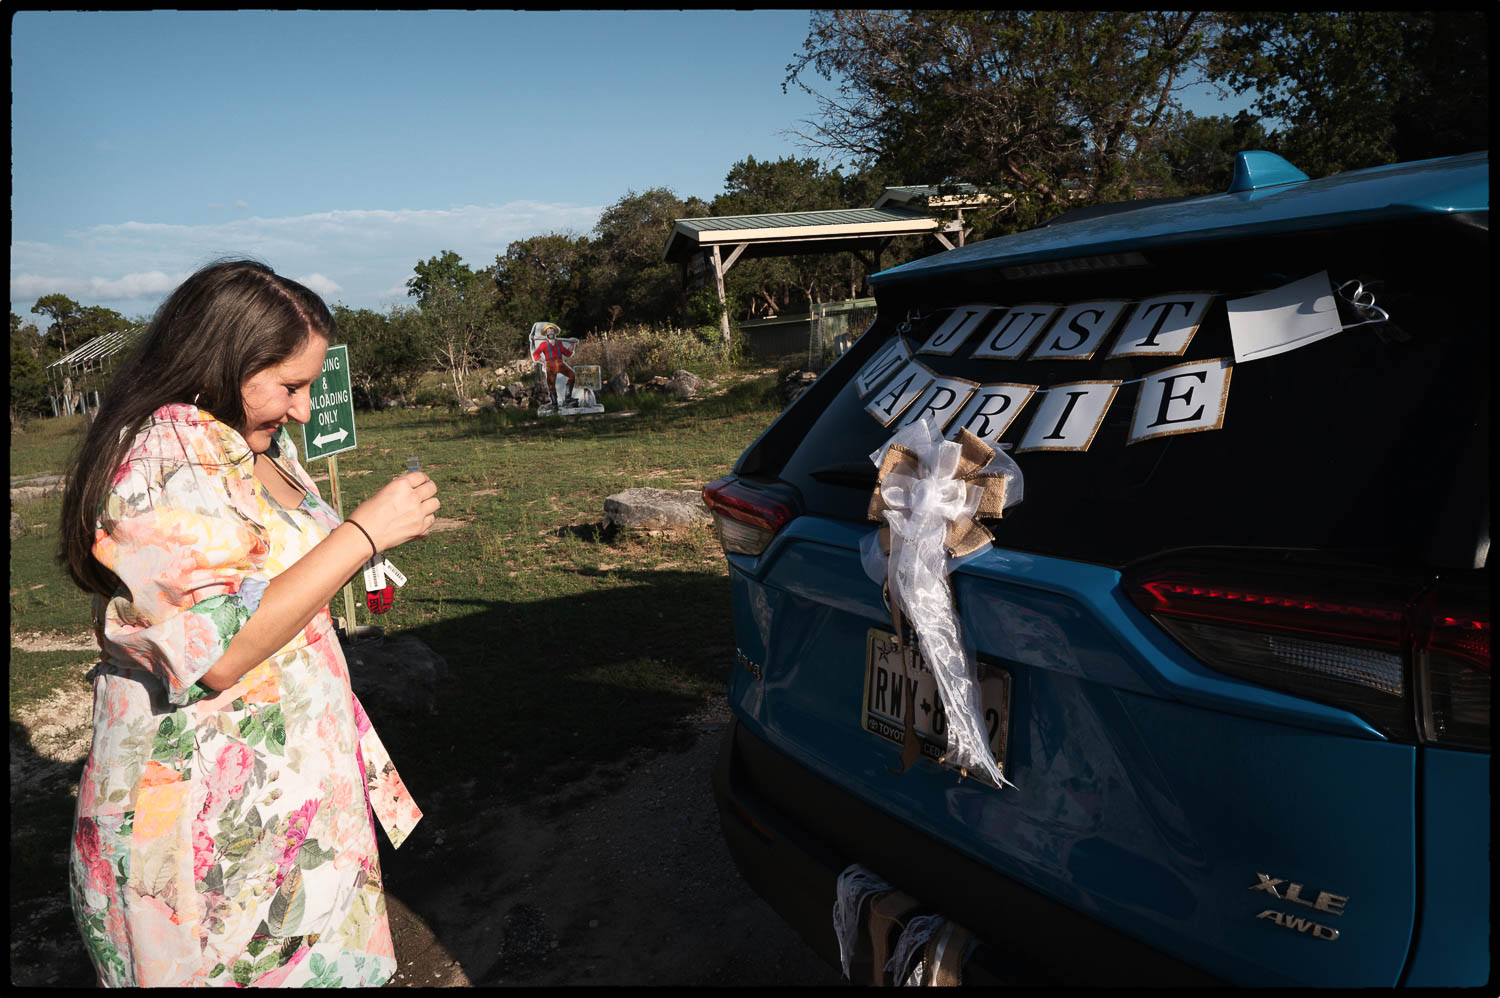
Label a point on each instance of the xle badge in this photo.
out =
(1323, 901)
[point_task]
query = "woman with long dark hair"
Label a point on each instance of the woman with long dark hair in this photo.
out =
(223, 832)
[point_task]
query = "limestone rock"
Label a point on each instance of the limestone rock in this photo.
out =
(656, 509)
(795, 384)
(684, 385)
(17, 528)
(35, 486)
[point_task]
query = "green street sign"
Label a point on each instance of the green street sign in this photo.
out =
(331, 429)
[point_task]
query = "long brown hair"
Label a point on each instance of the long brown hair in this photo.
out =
(223, 325)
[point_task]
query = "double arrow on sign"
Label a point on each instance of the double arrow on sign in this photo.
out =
(322, 438)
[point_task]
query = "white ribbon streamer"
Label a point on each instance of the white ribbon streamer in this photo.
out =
(919, 511)
(855, 884)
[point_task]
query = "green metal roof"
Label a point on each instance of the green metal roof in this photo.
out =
(800, 219)
(767, 231)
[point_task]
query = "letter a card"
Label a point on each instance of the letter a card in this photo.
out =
(898, 393)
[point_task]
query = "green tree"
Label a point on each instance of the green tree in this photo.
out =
(541, 279)
(1019, 101)
(1197, 153)
(388, 352)
(28, 379)
(446, 269)
(95, 320)
(1363, 88)
(65, 314)
(629, 281)
(459, 325)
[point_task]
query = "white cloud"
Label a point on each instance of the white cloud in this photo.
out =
(320, 284)
(154, 284)
(363, 256)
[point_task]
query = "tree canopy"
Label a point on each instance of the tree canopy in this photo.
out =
(1363, 88)
(1023, 101)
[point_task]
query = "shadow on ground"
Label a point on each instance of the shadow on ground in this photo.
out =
(562, 759)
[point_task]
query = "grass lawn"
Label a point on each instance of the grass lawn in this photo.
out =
(564, 649)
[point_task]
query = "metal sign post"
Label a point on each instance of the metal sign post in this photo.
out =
(329, 431)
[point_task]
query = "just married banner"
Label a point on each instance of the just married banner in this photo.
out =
(1185, 397)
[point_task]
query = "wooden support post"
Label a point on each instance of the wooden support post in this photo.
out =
(338, 506)
(723, 306)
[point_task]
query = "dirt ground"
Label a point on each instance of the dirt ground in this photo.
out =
(620, 878)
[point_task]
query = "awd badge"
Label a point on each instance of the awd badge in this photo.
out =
(1324, 901)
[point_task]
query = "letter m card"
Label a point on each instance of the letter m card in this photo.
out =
(887, 361)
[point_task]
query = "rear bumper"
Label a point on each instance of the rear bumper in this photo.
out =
(792, 833)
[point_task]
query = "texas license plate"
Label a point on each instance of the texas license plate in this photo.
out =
(886, 696)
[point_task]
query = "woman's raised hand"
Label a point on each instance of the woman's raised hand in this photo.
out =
(401, 511)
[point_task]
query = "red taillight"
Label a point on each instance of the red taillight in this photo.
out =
(1377, 619)
(1451, 648)
(746, 518)
(1339, 638)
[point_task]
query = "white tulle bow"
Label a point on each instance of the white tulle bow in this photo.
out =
(928, 493)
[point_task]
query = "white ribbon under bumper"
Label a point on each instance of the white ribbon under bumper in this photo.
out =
(919, 512)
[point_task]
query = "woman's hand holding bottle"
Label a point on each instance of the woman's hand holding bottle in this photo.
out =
(402, 511)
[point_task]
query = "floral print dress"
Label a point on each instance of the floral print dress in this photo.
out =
(224, 838)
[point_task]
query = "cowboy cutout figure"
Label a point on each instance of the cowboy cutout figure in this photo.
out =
(549, 350)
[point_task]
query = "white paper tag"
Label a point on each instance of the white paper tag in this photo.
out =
(1284, 318)
(374, 576)
(394, 574)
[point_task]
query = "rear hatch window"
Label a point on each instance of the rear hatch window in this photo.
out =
(1371, 444)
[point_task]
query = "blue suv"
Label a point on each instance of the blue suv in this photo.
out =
(1231, 648)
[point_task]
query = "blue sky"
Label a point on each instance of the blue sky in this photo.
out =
(341, 148)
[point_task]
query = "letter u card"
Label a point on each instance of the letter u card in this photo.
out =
(1014, 331)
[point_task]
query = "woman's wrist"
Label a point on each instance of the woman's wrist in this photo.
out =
(373, 549)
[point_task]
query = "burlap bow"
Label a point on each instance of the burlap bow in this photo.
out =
(929, 496)
(965, 533)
